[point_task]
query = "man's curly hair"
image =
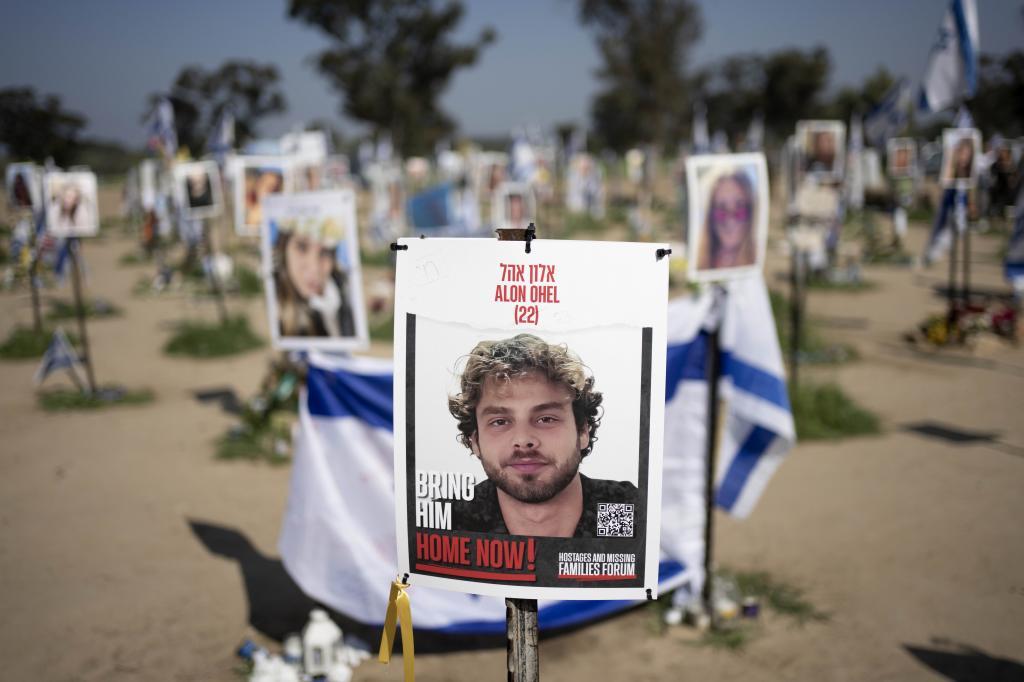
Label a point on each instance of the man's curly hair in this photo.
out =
(516, 357)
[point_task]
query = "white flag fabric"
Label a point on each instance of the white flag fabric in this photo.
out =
(952, 71)
(855, 165)
(163, 136)
(338, 534)
(890, 116)
(701, 138)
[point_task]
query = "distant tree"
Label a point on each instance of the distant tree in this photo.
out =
(249, 89)
(794, 82)
(37, 128)
(733, 91)
(998, 104)
(391, 60)
(860, 100)
(645, 46)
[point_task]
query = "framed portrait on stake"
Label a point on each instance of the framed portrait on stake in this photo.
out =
(528, 416)
(513, 206)
(23, 186)
(902, 157)
(728, 215)
(255, 178)
(961, 149)
(72, 209)
(311, 271)
(822, 148)
(197, 186)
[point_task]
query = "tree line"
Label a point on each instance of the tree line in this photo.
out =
(390, 61)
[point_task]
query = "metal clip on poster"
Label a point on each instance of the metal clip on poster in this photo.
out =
(713, 369)
(521, 614)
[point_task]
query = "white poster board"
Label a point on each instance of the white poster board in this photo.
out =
(72, 207)
(551, 375)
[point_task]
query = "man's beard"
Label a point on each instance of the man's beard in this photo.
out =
(526, 487)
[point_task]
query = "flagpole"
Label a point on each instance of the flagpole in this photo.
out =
(33, 268)
(713, 367)
(218, 289)
(951, 315)
(962, 220)
(76, 283)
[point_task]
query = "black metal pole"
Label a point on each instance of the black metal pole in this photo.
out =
(76, 283)
(713, 367)
(795, 316)
(218, 289)
(951, 293)
(967, 257)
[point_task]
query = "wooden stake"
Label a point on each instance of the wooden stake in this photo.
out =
(76, 283)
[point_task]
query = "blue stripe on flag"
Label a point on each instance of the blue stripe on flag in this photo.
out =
(347, 394)
(685, 362)
(735, 479)
(563, 614)
(755, 381)
(966, 47)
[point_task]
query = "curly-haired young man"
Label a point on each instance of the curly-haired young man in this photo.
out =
(528, 410)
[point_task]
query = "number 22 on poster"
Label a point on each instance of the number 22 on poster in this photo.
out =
(521, 283)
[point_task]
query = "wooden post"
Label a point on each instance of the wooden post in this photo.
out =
(218, 289)
(521, 614)
(951, 314)
(76, 283)
(713, 366)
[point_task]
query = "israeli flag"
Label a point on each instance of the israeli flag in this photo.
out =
(890, 116)
(952, 72)
(337, 539)
(701, 138)
(222, 137)
(522, 159)
(60, 355)
(1013, 265)
(163, 137)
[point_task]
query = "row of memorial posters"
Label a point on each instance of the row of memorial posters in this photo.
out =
(69, 199)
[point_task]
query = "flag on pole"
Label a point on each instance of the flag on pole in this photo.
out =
(755, 134)
(890, 116)
(855, 165)
(60, 355)
(337, 539)
(701, 138)
(952, 72)
(163, 137)
(222, 137)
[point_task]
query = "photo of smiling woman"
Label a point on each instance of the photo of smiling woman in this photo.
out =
(729, 218)
(314, 289)
(960, 148)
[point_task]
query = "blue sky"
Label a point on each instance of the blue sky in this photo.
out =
(103, 57)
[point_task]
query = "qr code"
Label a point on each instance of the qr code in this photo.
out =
(614, 520)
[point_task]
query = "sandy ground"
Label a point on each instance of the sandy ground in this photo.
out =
(128, 553)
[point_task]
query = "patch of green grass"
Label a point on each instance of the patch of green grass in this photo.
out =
(267, 443)
(24, 343)
(132, 258)
(249, 282)
(778, 595)
(920, 214)
(381, 259)
(62, 399)
(583, 223)
(824, 412)
(733, 637)
(206, 340)
(66, 310)
(383, 329)
(813, 348)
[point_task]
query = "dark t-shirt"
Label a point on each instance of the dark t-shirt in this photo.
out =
(482, 514)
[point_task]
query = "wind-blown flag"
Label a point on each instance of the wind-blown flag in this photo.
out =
(890, 116)
(60, 355)
(701, 138)
(337, 538)
(952, 72)
(163, 137)
(855, 165)
(222, 137)
(755, 135)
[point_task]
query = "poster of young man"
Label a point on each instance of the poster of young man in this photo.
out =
(71, 204)
(822, 148)
(22, 181)
(257, 177)
(961, 148)
(902, 157)
(313, 279)
(529, 416)
(728, 221)
(197, 186)
(513, 206)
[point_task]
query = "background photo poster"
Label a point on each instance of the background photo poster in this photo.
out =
(257, 177)
(197, 185)
(529, 418)
(71, 204)
(312, 274)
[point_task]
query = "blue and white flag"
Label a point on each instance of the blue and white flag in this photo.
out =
(338, 534)
(952, 72)
(1013, 265)
(222, 137)
(522, 165)
(890, 116)
(163, 137)
(432, 210)
(60, 355)
(701, 138)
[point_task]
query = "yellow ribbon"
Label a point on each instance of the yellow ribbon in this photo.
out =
(398, 608)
